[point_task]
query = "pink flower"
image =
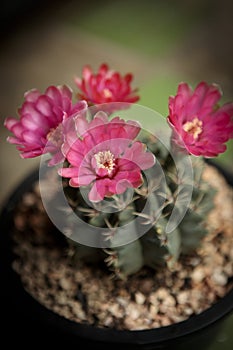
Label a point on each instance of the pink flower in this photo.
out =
(105, 86)
(40, 127)
(198, 123)
(106, 156)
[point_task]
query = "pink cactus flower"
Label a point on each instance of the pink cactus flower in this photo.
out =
(106, 86)
(198, 123)
(40, 127)
(106, 156)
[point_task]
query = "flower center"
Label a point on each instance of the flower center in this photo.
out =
(105, 160)
(55, 136)
(107, 93)
(194, 127)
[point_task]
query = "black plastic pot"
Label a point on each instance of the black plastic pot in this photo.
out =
(25, 319)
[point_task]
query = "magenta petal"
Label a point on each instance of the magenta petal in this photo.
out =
(133, 128)
(119, 132)
(55, 94)
(28, 123)
(94, 195)
(74, 182)
(18, 130)
(132, 177)
(201, 90)
(138, 155)
(126, 165)
(73, 157)
(66, 91)
(86, 179)
(185, 91)
(30, 109)
(146, 160)
(10, 122)
(87, 72)
(44, 106)
(29, 136)
(66, 106)
(178, 103)
(40, 120)
(211, 99)
(32, 95)
(193, 106)
(101, 172)
(100, 118)
(78, 82)
(209, 128)
(122, 186)
(13, 140)
(68, 172)
(69, 134)
(81, 125)
(57, 158)
(105, 86)
(31, 154)
(80, 107)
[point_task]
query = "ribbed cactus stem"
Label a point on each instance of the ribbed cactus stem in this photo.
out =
(137, 219)
(126, 259)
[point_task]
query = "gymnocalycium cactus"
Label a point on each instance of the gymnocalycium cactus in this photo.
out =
(137, 198)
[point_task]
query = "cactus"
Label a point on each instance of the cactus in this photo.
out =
(135, 211)
(156, 247)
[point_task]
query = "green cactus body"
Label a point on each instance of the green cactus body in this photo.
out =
(155, 247)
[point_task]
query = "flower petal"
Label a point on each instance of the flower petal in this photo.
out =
(197, 124)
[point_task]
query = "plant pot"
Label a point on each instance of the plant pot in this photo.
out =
(25, 318)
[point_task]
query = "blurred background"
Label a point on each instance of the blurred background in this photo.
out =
(161, 42)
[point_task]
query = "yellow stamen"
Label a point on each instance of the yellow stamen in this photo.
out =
(194, 127)
(105, 160)
(107, 93)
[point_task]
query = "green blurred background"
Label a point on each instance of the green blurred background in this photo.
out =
(161, 42)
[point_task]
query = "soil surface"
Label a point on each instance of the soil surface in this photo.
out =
(148, 299)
